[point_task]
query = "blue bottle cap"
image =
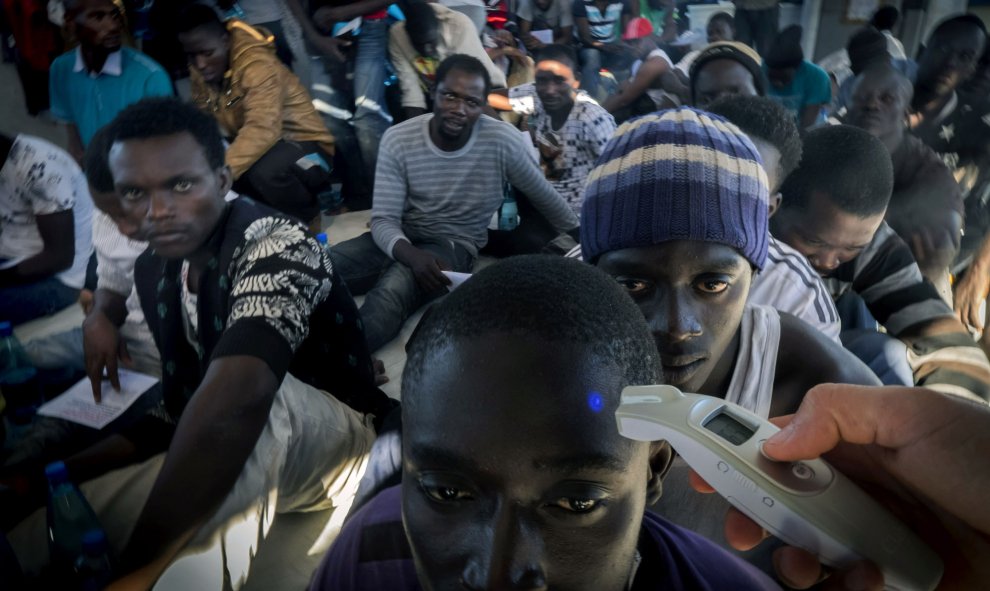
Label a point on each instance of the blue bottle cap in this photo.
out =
(94, 542)
(56, 473)
(6, 329)
(321, 238)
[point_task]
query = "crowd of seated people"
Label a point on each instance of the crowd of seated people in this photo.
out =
(809, 242)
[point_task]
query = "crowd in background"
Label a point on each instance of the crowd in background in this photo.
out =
(721, 214)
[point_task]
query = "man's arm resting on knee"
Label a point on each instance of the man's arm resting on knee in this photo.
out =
(218, 431)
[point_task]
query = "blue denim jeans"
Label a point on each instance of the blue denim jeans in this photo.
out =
(21, 303)
(592, 61)
(882, 353)
(354, 110)
(393, 294)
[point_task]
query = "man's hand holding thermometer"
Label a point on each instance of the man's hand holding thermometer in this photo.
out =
(910, 441)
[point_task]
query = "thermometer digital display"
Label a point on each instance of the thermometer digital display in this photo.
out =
(807, 504)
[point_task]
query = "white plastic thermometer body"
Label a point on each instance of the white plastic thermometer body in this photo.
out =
(806, 504)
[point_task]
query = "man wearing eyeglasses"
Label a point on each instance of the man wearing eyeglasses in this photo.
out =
(439, 179)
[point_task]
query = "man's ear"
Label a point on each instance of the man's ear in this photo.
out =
(226, 179)
(774, 203)
(661, 458)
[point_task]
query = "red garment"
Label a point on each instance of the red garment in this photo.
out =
(38, 41)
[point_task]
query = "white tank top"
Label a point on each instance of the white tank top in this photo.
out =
(751, 386)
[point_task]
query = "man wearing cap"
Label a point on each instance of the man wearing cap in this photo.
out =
(690, 273)
(652, 85)
(801, 86)
(726, 68)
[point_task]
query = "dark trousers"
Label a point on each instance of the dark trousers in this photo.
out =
(278, 181)
(393, 294)
(757, 28)
(533, 235)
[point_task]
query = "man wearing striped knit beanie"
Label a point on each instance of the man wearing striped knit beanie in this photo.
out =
(676, 212)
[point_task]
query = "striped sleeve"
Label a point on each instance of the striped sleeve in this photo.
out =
(390, 193)
(789, 284)
(889, 281)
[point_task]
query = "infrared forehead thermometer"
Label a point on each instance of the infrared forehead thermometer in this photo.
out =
(807, 504)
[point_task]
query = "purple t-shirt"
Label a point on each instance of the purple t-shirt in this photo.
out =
(371, 554)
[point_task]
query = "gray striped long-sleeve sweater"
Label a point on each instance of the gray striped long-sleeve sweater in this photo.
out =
(423, 193)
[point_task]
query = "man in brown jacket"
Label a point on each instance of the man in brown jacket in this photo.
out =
(279, 149)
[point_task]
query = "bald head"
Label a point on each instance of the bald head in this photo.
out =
(880, 101)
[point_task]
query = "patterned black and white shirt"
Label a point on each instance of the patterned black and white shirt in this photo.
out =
(583, 137)
(270, 291)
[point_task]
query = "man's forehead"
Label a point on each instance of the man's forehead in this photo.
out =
(553, 67)
(165, 154)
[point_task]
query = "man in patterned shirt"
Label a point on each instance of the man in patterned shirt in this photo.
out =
(255, 329)
(45, 238)
(568, 127)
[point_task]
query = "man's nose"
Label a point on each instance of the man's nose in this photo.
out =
(675, 320)
(510, 557)
(827, 260)
(159, 206)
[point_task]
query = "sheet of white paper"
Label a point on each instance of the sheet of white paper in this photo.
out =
(76, 404)
(543, 35)
(456, 279)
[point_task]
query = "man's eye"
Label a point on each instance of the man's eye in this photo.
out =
(472, 103)
(131, 194)
(182, 186)
(445, 494)
(633, 286)
(713, 285)
(577, 505)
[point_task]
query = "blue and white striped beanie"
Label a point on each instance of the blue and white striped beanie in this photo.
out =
(681, 174)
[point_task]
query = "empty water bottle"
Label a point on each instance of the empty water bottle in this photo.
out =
(17, 378)
(93, 570)
(69, 518)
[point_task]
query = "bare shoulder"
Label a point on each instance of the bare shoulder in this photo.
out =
(806, 358)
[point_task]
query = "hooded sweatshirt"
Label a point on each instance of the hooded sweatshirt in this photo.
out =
(259, 101)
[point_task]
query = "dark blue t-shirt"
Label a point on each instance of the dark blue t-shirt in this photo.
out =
(372, 554)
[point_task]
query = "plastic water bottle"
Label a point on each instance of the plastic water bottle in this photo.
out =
(93, 570)
(235, 11)
(322, 239)
(17, 378)
(509, 217)
(69, 518)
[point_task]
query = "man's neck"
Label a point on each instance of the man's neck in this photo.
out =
(929, 105)
(94, 58)
(448, 144)
(893, 140)
(560, 115)
(719, 380)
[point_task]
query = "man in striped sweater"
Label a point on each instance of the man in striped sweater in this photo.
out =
(440, 177)
(832, 212)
